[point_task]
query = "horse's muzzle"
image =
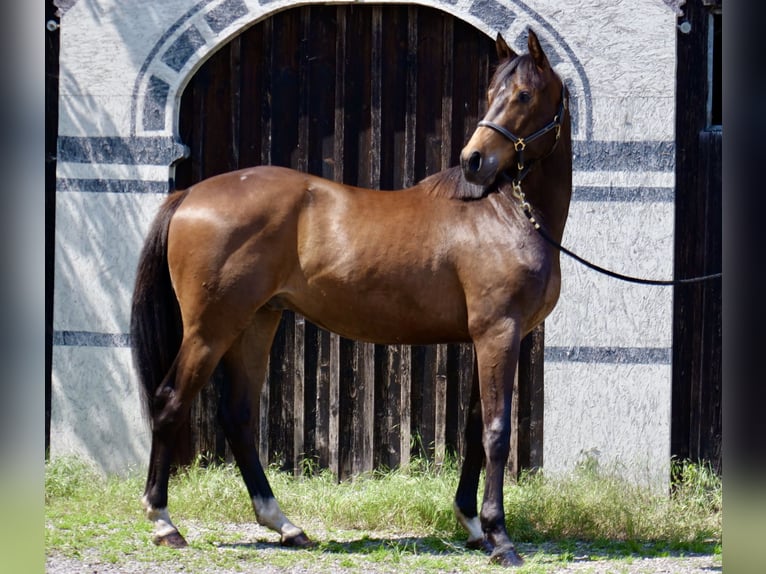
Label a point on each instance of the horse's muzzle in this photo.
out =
(478, 168)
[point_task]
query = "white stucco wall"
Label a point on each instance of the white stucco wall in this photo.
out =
(123, 67)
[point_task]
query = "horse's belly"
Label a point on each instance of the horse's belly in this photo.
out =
(381, 315)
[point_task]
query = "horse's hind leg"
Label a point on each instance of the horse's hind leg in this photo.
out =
(245, 364)
(191, 369)
(465, 498)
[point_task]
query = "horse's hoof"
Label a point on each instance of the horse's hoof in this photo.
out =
(172, 540)
(480, 544)
(506, 556)
(299, 540)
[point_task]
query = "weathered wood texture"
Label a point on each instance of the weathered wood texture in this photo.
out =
(696, 410)
(373, 96)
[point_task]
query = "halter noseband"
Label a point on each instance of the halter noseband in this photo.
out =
(520, 143)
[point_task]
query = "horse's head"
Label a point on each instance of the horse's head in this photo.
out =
(526, 102)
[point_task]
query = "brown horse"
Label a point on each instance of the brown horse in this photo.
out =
(452, 259)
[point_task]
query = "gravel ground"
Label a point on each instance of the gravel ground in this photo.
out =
(674, 565)
(262, 555)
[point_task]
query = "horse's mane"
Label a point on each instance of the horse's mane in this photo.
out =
(451, 184)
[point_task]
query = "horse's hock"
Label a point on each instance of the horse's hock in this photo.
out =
(124, 127)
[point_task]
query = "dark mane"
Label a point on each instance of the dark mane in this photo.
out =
(451, 184)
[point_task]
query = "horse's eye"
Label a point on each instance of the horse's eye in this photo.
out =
(524, 97)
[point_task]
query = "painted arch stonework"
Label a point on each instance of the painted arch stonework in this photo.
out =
(123, 69)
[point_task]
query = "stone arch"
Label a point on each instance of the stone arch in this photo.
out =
(210, 24)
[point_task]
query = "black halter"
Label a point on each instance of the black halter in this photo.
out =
(520, 143)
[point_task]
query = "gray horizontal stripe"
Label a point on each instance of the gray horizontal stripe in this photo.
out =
(90, 339)
(611, 355)
(627, 194)
(624, 156)
(587, 155)
(596, 194)
(118, 150)
(112, 185)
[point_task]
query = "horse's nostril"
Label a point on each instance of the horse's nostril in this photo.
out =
(474, 162)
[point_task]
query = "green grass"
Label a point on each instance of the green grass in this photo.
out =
(391, 521)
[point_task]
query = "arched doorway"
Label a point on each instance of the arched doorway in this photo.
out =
(373, 96)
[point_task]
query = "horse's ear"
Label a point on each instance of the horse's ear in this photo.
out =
(536, 51)
(504, 52)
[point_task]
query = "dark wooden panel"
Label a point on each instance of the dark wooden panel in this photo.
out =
(696, 394)
(52, 44)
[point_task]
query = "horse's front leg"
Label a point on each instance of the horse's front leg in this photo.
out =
(497, 353)
(473, 461)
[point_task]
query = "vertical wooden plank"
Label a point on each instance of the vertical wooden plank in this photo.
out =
(251, 95)
(709, 442)
(327, 400)
(280, 395)
(376, 89)
(440, 405)
(235, 99)
(430, 92)
(447, 60)
(411, 105)
(527, 408)
(301, 160)
(298, 398)
(322, 69)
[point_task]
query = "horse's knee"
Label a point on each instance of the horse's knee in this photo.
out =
(497, 440)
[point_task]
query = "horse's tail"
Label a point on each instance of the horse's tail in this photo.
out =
(155, 320)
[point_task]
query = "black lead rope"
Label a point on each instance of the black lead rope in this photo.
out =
(640, 281)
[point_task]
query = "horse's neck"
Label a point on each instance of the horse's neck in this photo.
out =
(548, 188)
